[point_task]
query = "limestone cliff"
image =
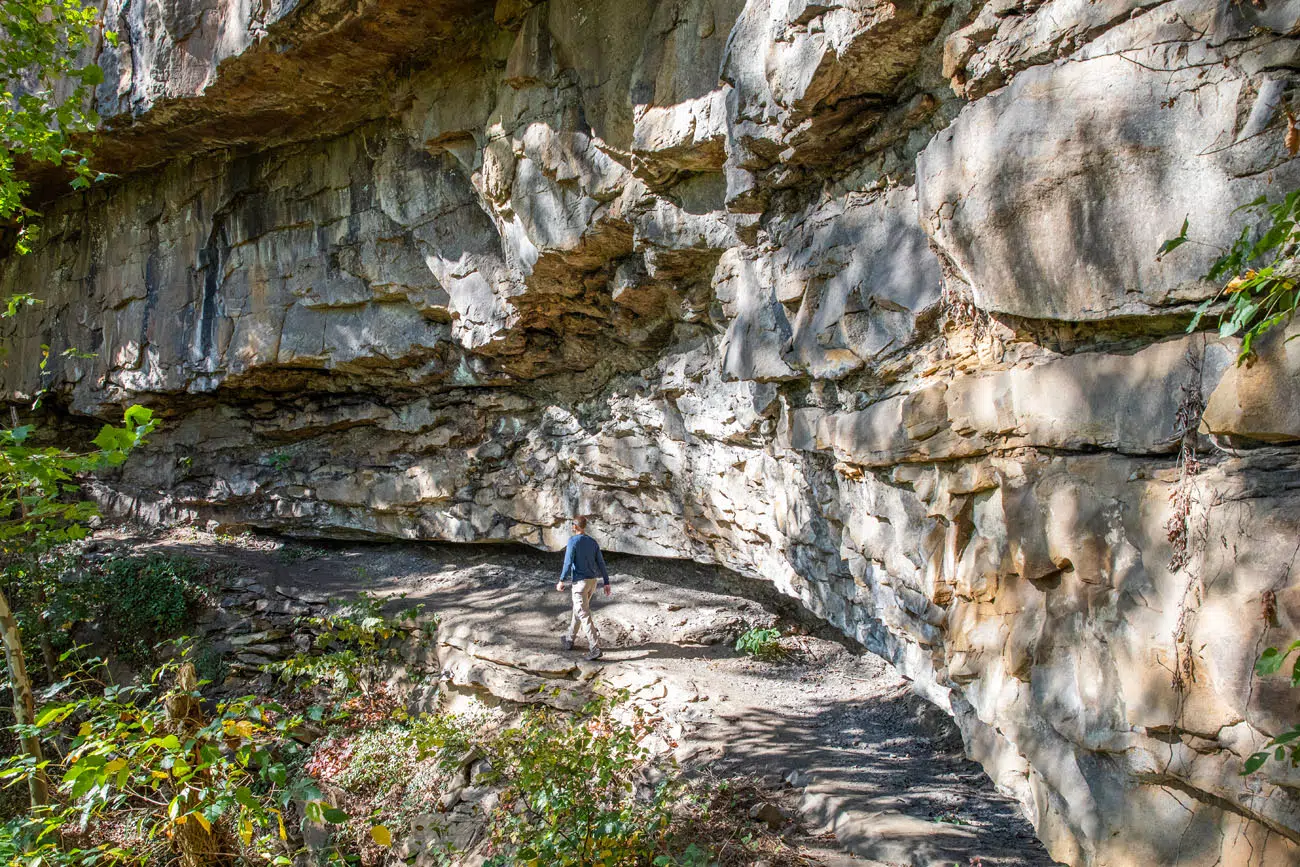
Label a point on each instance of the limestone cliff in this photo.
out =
(856, 296)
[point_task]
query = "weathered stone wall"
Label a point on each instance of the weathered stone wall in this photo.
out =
(857, 297)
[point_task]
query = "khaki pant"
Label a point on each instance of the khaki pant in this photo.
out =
(582, 591)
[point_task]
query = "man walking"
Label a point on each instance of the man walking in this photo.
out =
(582, 563)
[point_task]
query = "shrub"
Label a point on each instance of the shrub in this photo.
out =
(142, 600)
(568, 787)
(46, 593)
(138, 601)
(152, 754)
(355, 644)
(761, 643)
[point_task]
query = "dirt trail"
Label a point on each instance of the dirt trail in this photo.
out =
(878, 775)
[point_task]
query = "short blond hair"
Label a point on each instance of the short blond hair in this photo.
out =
(580, 522)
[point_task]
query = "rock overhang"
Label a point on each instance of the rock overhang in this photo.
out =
(859, 298)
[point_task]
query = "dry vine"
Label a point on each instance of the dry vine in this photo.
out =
(1186, 544)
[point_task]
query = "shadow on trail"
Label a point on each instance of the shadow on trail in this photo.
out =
(663, 650)
(896, 762)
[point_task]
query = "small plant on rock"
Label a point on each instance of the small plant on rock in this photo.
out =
(1262, 273)
(761, 643)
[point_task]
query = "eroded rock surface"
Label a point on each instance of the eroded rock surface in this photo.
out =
(859, 298)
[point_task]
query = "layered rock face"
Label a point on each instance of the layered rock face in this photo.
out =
(857, 297)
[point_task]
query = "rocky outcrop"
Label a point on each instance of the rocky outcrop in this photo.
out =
(860, 298)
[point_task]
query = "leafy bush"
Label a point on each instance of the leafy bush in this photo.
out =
(761, 643)
(568, 787)
(44, 590)
(150, 754)
(142, 600)
(354, 644)
(41, 506)
(138, 601)
(1286, 746)
(40, 486)
(1263, 287)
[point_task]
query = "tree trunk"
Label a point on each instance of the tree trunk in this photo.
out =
(24, 700)
(197, 844)
(48, 655)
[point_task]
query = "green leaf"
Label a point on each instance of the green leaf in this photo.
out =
(1254, 763)
(112, 438)
(1262, 200)
(137, 416)
(1271, 660)
(57, 713)
(314, 811)
(1173, 243)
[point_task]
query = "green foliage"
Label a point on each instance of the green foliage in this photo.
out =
(380, 759)
(44, 89)
(126, 757)
(210, 663)
(296, 553)
(692, 856)
(1286, 746)
(35, 842)
(1263, 287)
(354, 643)
(40, 501)
(42, 588)
(761, 643)
(142, 600)
(138, 601)
(567, 787)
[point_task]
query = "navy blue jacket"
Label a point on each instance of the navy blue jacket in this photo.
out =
(582, 560)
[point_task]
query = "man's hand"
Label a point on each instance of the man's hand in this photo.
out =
(607, 591)
(559, 585)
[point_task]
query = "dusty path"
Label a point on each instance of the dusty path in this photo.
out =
(879, 776)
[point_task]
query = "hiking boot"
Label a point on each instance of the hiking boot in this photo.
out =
(566, 643)
(594, 654)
